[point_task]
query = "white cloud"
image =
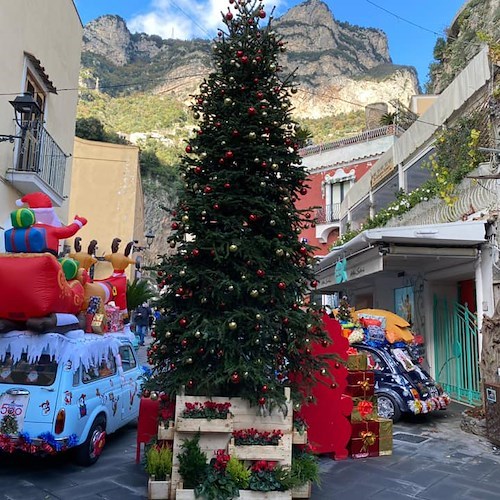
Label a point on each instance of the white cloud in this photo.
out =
(183, 19)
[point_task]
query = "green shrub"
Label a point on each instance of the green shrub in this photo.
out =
(192, 463)
(239, 472)
(305, 468)
(159, 462)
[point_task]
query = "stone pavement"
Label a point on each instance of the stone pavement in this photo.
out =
(447, 464)
(432, 459)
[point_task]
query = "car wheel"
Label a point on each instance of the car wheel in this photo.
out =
(388, 407)
(89, 452)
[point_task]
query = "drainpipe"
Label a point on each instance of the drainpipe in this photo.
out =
(479, 300)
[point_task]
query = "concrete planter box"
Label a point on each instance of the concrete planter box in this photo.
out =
(158, 490)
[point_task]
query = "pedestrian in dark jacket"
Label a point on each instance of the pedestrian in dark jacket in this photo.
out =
(141, 320)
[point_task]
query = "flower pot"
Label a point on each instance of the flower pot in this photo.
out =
(299, 438)
(166, 431)
(303, 491)
(158, 490)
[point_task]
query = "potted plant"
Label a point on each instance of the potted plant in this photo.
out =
(192, 465)
(304, 472)
(207, 416)
(299, 430)
(159, 468)
(251, 444)
(218, 483)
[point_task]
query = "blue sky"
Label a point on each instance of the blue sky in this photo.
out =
(412, 27)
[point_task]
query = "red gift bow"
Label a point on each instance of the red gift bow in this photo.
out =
(364, 408)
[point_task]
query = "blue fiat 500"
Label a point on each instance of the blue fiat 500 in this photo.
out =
(401, 384)
(59, 392)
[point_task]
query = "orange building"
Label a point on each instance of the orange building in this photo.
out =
(333, 169)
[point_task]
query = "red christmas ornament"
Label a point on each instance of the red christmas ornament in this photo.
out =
(239, 53)
(235, 378)
(280, 236)
(262, 401)
(286, 321)
(251, 111)
(261, 273)
(200, 132)
(244, 60)
(218, 124)
(172, 366)
(221, 161)
(184, 342)
(295, 307)
(314, 283)
(262, 14)
(195, 252)
(229, 155)
(303, 192)
(207, 189)
(188, 149)
(198, 170)
(258, 58)
(282, 285)
(180, 291)
(260, 95)
(190, 384)
(252, 218)
(303, 250)
(175, 226)
(235, 133)
(264, 164)
(216, 206)
(227, 185)
(229, 16)
(264, 388)
(183, 322)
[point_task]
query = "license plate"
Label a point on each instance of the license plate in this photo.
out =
(14, 406)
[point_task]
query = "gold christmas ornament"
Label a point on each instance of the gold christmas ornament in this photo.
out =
(254, 293)
(258, 317)
(233, 248)
(197, 334)
(232, 325)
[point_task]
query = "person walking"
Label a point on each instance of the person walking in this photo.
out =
(141, 320)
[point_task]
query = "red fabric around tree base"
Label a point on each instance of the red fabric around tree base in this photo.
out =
(329, 429)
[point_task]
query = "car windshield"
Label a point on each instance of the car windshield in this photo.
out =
(41, 372)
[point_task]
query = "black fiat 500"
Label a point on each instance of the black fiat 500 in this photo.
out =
(401, 384)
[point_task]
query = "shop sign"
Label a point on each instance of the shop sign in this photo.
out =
(382, 173)
(340, 271)
(363, 266)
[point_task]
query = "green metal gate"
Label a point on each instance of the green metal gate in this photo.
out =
(456, 350)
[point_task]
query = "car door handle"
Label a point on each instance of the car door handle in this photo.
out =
(18, 392)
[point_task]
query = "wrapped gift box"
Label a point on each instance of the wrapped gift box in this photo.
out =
(357, 362)
(364, 409)
(385, 436)
(99, 323)
(365, 439)
(114, 319)
(94, 305)
(360, 383)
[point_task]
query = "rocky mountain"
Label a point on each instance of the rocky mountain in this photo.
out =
(340, 67)
(477, 22)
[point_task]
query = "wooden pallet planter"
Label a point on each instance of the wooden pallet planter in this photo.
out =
(298, 438)
(158, 490)
(278, 453)
(303, 491)
(204, 425)
(216, 434)
(244, 495)
(166, 432)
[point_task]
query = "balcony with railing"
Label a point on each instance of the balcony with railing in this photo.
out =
(39, 164)
(331, 213)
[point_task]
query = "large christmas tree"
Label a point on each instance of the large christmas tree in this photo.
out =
(237, 321)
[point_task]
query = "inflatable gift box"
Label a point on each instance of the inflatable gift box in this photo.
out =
(28, 240)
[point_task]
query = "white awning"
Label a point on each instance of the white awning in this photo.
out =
(391, 249)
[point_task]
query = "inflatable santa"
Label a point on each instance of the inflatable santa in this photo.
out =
(46, 218)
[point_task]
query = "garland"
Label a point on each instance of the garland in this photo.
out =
(45, 443)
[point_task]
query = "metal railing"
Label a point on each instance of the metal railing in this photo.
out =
(368, 135)
(40, 154)
(331, 213)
